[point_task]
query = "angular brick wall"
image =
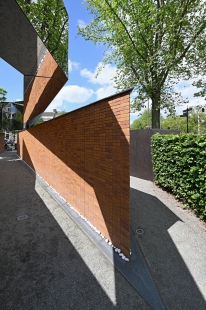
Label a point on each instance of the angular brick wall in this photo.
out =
(23, 49)
(84, 156)
(1, 143)
(43, 87)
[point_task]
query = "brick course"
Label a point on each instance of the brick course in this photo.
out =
(84, 156)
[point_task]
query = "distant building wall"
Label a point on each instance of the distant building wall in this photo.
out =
(140, 152)
(1, 143)
(84, 156)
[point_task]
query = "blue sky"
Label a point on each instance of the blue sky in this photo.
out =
(84, 60)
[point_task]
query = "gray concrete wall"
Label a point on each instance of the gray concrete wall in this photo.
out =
(140, 152)
(20, 45)
(22, 48)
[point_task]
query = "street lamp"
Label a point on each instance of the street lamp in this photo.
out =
(185, 114)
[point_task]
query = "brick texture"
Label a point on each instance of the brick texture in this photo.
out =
(1, 143)
(84, 156)
(43, 88)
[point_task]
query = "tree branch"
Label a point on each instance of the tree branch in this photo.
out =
(54, 21)
(57, 44)
(127, 32)
(137, 76)
(192, 40)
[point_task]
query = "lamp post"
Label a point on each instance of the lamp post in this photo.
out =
(185, 114)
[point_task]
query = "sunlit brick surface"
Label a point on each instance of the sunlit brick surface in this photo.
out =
(84, 156)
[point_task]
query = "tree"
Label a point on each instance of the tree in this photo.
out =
(39, 121)
(3, 94)
(142, 121)
(18, 121)
(154, 44)
(196, 117)
(61, 113)
(175, 122)
(50, 19)
(7, 123)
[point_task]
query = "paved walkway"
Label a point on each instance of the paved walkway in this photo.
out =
(48, 262)
(173, 244)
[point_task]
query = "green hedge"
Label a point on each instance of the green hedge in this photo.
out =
(179, 164)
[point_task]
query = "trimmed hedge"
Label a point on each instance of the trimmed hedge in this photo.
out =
(179, 165)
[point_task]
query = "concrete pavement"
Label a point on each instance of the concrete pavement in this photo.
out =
(173, 244)
(49, 261)
(46, 260)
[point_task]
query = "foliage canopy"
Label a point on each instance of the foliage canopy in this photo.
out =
(3, 94)
(175, 122)
(153, 43)
(61, 113)
(50, 19)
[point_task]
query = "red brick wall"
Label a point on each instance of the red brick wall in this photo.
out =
(1, 143)
(84, 156)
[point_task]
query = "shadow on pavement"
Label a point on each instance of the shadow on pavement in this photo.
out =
(42, 265)
(172, 277)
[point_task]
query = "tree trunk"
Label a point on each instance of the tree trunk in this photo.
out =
(156, 111)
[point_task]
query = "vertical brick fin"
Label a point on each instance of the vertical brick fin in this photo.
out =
(44, 86)
(84, 156)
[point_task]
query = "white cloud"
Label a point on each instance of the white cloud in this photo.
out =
(71, 94)
(104, 79)
(81, 23)
(105, 91)
(105, 76)
(73, 65)
(188, 92)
